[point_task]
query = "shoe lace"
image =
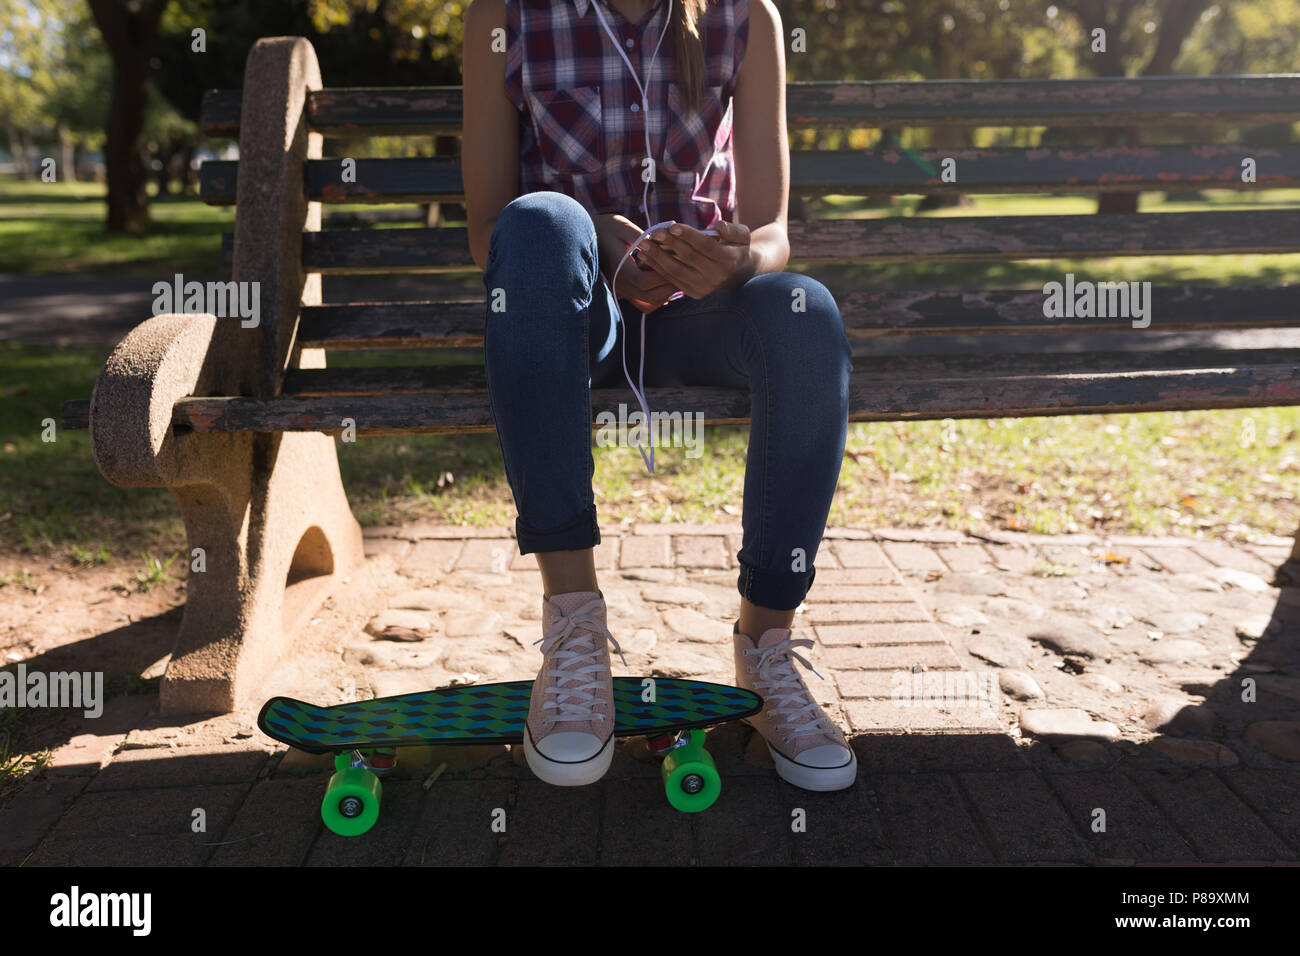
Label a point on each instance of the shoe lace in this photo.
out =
(571, 687)
(790, 703)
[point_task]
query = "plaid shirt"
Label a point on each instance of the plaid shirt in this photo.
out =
(582, 131)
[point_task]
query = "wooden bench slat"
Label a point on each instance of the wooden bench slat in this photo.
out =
(385, 380)
(393, 325)
(375, 111)
(894, 239)
(867, 314)
(984, 365)
(465, 388)
(872, 313)
(871, 399)
(1041, 170)
(1045, 102)
(993, 238)
(447, 380)
(466, 381)
(74, 414)
(848, 172)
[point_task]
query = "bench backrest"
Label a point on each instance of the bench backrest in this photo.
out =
(1165, 102)
(1054, 379)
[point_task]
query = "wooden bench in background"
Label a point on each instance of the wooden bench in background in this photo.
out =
(238, 422)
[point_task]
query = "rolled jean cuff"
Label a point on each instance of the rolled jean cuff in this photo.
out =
(579, 534)
(777, 590)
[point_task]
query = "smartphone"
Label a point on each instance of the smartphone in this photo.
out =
(637, 259)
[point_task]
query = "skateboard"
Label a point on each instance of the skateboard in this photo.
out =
(364, 735)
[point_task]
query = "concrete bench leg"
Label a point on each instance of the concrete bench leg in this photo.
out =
(282, 538)
(269, 527)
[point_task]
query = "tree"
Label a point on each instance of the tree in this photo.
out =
(128, 28)
(1246, 36)
(51, 82)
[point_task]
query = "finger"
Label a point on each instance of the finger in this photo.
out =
(669, 273)
(733, 232)
(685, 241)
(648, 292)
(677, 270)
(663, 259)
(645, 280)
(636, 269)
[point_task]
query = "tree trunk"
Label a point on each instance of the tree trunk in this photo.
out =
(163, 174)
(1177, 20)
(188, 175)
(438, 213)
(68, 159)
(128, 197)
(128, 35)
(1109, 202)
(945, 137)
(31, 157)
(1176, 24)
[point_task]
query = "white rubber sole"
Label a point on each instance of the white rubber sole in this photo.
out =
(560, 774)
(820, 779)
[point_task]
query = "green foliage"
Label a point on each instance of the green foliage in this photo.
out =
(1024, 39)
(155, 571)
(923, 39)
(54, 72)
(1246, 36)
(416, 29)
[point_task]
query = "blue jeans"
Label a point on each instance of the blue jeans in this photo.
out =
(559, 335)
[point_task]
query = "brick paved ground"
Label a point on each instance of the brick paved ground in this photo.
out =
(1016, 699)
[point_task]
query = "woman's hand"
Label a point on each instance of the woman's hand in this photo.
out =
(638, 284)
(698, 264)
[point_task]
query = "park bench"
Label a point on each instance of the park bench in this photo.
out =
(240, 423)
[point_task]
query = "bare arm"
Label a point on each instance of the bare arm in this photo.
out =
(761, 146)
(490, 135)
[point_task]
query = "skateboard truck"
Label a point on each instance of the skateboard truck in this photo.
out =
(378, 760)
(660, 746)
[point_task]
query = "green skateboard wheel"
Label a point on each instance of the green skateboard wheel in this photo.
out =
(351, 804)
(690, 778)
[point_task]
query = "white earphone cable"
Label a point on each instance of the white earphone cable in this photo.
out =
(645, 205)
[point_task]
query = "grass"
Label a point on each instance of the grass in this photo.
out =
(53, 500)
(21, 754)
(1230, 474)
(1181, 473)
(154, 573)
(20, 578)
(58, 229)
(88, 557)
(17, 764)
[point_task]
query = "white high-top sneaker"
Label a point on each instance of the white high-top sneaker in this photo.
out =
(808, 750)
(569, 735)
